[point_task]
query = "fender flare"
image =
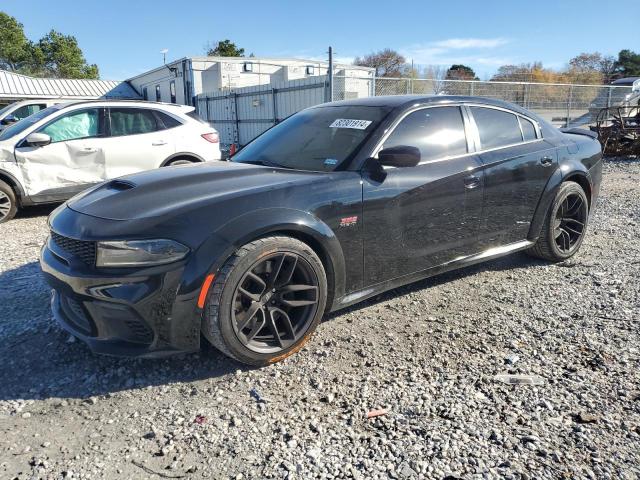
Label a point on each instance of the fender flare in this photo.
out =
(15, 184)
(239, 231)
(549, 194)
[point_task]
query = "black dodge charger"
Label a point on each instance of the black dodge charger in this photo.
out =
(336, 204)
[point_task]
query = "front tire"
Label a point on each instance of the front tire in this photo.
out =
(8, 202)
(266, 301)
(565, 226)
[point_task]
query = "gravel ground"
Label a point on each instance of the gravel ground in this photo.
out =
(429, 354)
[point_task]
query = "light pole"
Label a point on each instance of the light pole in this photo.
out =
(164, 55)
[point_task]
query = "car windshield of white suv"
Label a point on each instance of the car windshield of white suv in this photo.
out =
(25, 123)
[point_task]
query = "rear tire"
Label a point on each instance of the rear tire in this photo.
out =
(266, 301)
(565, 226)
(179, 161)
(8, 202)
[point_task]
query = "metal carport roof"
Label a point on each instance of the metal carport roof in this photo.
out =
(16, 86)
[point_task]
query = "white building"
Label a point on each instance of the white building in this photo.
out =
(182, 80)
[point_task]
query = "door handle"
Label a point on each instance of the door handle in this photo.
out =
(546, 161)
(88, 150)
(159, 143)
(471, 182)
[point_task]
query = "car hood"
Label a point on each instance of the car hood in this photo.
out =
(173, 190)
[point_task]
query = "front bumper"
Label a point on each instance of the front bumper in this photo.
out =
(120, 311)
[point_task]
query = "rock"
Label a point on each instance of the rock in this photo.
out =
(584, 417)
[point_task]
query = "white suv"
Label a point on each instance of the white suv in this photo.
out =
(59, 151)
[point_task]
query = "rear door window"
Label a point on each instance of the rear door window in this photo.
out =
(133, 121)
(497, 128)
(438, 132)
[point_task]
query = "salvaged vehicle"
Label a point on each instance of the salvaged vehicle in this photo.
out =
(59, 151)
(618, 130)
(14, 112)
(334, 205)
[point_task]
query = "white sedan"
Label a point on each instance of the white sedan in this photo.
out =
(61, 150)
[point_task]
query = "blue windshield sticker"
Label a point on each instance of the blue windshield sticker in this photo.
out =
(331, 161)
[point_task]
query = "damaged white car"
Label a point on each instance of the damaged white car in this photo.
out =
(61, 150)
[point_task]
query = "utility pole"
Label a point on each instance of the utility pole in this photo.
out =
(330, 74)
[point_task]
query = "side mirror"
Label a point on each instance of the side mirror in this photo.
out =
(8, 120)
(400, 156)
(38, 139)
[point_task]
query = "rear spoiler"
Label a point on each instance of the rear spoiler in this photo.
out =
(580, 131)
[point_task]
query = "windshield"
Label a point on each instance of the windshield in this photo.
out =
(317, 139)
(25, 123)
(7, 108)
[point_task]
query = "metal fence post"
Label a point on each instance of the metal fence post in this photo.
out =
(330, 74)
(236, 136)
(609, 97)
(274, 92)
(569, 105)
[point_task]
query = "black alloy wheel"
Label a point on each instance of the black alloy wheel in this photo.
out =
(565, 224)
(266, 300)
(275, 302)
(570, 221)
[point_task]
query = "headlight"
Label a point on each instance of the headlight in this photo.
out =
(139, 253)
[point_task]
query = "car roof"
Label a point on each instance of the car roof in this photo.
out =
(625, 81)
(107, 102)
(403, 101)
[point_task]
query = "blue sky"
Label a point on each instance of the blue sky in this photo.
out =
(125, 37)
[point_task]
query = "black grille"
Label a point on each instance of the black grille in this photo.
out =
(75, 314)
(82, 249)
(140, 331)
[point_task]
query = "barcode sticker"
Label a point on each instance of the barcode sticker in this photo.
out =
(350, 123)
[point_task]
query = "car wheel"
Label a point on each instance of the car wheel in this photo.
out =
(8, 203)
(266, 301)
(179, 161)
(565, 225)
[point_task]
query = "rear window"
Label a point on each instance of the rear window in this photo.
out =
(195, 116)
(528, 130)
(497, 128)
(167, 120)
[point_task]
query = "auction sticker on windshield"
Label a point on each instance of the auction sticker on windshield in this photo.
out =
(350, 123)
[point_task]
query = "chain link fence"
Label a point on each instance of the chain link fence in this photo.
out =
(561, 104)
(241, 114)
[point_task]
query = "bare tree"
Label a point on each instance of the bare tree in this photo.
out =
(436, 75)
(387, 63)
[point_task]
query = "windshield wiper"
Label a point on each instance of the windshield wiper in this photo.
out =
(265, 163)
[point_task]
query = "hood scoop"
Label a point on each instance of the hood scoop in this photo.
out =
(120, 185)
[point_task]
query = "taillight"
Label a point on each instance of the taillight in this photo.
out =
(211, 137)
